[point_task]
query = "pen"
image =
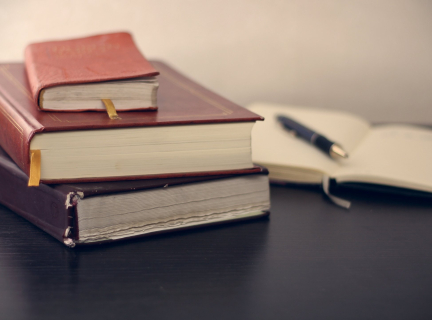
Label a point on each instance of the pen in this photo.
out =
(333, 149)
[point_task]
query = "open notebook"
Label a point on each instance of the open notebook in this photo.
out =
(390, 155)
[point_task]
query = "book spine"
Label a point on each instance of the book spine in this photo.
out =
(15, 135)
(17, 125)
(34, 82)
(43, 206)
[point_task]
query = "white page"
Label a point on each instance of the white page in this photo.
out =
(395, 155)
(272, 145)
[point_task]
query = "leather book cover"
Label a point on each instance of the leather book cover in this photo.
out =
(181, 101)
(86, 60)
(43, 206)
(53, 207)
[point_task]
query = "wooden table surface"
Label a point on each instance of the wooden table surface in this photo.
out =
(310, 260)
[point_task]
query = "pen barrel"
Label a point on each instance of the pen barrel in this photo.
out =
(299, 129)
(323, 143)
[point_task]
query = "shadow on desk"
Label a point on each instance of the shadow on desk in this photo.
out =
(364, 192)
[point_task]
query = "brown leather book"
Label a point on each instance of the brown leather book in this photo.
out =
(194, 132)
(99, 212)
(57, 71)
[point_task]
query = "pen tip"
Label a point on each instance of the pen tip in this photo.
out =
(336, 151)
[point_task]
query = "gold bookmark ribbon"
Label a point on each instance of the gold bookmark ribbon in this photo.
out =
(109, 105)
(35, 168)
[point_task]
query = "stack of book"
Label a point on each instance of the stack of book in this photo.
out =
(178, 158)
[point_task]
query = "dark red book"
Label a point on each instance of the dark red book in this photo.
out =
(194, 132)
(89, 213)
(74, 75)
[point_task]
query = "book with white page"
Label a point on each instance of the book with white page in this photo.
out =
(392, 155)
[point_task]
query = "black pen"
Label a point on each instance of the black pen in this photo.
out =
(331, 148)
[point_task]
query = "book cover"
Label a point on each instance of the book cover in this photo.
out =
(86, 60)
(181, 102)
(53, 208)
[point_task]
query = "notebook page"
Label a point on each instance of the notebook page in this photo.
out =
(395, 155)
(272, 145)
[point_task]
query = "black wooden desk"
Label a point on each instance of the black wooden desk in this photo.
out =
(311, 260)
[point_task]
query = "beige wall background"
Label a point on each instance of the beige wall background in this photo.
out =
(370, 57)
